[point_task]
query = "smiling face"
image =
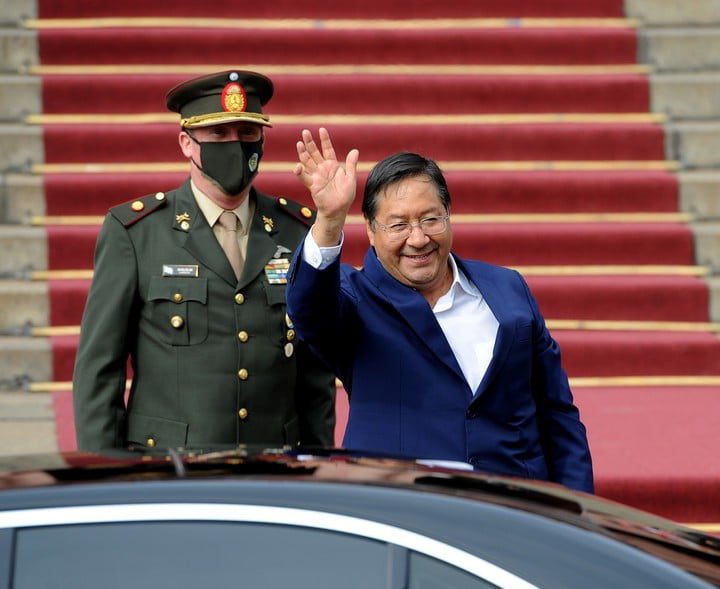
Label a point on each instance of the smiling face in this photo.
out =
(419, 261)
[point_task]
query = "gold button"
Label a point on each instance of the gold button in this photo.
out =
(160, 196)
(150, 442)
(283, 201)
(184, 225)
(288, 321)
(289, 349)
(290, 335)
(177, 322)
(137, 206)
(306, 212)
(243, 336)
(239, 298)
(243, 374)
(177, 297)
(243, 413)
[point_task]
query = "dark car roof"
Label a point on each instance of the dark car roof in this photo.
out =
(497, 518)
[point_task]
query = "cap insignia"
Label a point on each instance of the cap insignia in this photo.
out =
(233, 98)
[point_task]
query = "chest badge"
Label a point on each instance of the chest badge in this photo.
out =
(276, 270)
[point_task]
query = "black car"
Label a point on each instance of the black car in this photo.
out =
(321, 520)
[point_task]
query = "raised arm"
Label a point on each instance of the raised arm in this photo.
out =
(331, 185)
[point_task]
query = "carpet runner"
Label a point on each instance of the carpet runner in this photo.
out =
(650, 444)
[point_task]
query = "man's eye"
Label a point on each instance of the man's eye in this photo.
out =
(430, 220)
(397, 227)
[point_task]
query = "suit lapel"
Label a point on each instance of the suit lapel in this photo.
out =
(414, 309)
(506, 327)
(199, 239)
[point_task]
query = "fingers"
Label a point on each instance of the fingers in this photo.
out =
(326, 145)
(312, 149)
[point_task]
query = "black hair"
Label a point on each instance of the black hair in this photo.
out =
(401, 166)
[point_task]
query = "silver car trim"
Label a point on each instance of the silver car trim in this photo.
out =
(93, 514)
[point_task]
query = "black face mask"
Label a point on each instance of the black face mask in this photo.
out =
(232, 164)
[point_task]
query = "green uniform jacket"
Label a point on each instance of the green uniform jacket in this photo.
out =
(215, 361)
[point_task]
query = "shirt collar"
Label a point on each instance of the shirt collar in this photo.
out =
(460, 281)
(211, 211)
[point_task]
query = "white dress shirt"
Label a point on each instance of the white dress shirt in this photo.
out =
(465, 318)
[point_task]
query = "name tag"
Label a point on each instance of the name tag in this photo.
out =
(180, 270)
(276, 270)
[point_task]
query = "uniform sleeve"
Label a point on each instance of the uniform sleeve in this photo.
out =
(564, 437)
(314, 399)
(105, 336)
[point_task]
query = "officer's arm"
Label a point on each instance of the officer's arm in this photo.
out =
(314, 399)
(109, 317)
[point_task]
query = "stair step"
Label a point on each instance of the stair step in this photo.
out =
(585, 353)
(686, 95)
(486, 192)
(72, 247)
(400, 46)
(394, 93)
(158, 142)
(619, 298)
(681, 49)
(23, 303)
(23, 358)
(324, 9)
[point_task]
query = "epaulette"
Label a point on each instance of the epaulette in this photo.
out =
(297, 211)
(130, 212)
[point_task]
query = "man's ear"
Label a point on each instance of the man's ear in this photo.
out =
(185, 143)
(370, 232)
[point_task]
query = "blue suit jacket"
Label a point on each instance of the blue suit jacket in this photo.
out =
(407, 393)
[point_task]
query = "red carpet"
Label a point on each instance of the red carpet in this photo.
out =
(324, 46)
(544, 142)
(324, 9)
(374, 94)
(71, 247)
(640, 460)
(635, 298)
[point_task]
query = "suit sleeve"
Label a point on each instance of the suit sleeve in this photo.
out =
(105, 335)
(324, 313)
(564, 437)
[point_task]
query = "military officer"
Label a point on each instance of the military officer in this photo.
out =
(189, 286)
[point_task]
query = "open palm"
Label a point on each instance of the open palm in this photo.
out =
(331, 185)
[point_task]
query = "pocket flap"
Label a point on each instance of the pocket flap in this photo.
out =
(166, 433)
(275, 294)
(165, 288)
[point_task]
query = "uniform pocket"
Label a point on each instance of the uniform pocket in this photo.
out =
(276, 324)
(179, 309)
(156, 432)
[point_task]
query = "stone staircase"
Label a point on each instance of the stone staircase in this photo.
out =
(680, 43)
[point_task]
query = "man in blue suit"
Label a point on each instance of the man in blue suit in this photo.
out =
(443, 358)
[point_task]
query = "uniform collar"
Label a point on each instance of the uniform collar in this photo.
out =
(211, 211)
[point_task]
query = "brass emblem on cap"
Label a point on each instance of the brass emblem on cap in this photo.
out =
(306, 212)
(233, 98)
(160, 196)
(137, 206)
(269, 223)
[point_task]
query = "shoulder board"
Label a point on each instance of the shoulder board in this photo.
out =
(301, 213)
(130, 212)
